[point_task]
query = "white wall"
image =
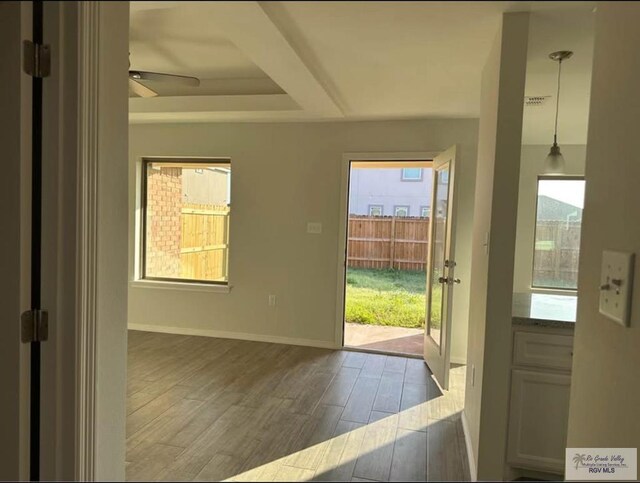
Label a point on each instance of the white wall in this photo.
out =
(567, 27)
(283, 176)
(499, 146)
(531, 166)
(605, 385)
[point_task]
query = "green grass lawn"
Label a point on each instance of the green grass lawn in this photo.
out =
(387, 297)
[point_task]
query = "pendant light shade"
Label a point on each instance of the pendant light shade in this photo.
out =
(554, 164)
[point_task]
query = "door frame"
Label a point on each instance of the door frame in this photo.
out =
(343, 218)
(85, 221)
(102, 224)
(15, 255)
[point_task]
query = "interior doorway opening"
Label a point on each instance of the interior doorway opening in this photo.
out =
(389, 211)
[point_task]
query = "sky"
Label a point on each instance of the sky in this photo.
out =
(567, 191)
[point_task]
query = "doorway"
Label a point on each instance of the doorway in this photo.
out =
(397, 278)
(388, 214)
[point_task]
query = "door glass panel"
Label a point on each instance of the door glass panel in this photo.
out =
(439, 213)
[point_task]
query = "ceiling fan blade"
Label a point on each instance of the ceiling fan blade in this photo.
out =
(159, 77)
(140, 90)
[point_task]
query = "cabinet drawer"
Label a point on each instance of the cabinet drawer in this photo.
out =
(549, 351)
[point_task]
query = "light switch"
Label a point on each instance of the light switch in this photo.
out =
(616, 285)
(314, 228)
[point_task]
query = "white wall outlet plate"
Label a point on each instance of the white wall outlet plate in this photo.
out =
(616, 286)
(314, 227)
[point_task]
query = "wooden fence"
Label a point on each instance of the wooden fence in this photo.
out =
(204, 250)
(556, 254)
(401, 243)
(388, 242)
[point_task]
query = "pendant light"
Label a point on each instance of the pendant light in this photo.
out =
(554, 164)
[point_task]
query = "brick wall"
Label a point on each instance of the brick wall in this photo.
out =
(164, 222)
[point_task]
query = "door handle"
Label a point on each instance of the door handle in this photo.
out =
(448, 280)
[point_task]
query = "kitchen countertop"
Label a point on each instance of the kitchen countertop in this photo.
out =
(544, 310)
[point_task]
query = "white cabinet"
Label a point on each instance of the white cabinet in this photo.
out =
(538, 420)
(539, 408)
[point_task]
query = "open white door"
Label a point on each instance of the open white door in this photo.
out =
(441, 268)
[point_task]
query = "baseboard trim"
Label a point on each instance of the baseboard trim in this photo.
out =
(222, 334)
(467, 442)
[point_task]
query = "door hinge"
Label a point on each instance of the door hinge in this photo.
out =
(37, 59)
(34, 326)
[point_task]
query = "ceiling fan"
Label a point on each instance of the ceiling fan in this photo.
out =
(135, 76)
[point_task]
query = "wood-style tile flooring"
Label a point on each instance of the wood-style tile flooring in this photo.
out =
(205, 409)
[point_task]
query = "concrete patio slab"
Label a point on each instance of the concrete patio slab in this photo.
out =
(383, 338)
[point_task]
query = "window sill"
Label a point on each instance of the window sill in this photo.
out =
(186, 286)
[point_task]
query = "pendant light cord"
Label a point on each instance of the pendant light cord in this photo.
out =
(555, 132)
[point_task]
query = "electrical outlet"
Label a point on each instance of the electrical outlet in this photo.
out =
(314, 227)
(272, 300)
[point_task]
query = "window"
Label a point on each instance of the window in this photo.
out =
(375, 210)
(425, 211)
(185, 220)
(557, 232)
(401, 211)
(411, 174)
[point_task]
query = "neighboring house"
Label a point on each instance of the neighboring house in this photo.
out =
(207, 186)
(550, 209)
(390, 191)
